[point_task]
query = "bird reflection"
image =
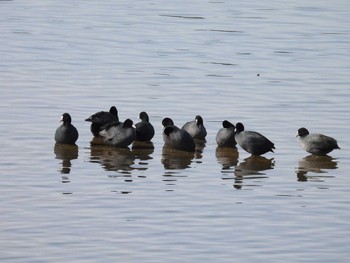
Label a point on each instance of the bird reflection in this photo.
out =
(227, 157)
(314, 164)
(112, 158)
(97, 141)
(143, 152)
(175, 159)
(200, 145)
(251, 168)
(143, 149)
(66, 153)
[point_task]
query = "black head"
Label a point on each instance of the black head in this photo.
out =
(302, 132)
(167, 122)
(113, 110)
(127, 123)
(199, 120)
(168, 130)
(239, 127)
(226, 124)
(144, 116)
(66, 119)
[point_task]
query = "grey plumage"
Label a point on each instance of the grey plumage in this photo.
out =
(252, 142)
(196, 128)
(119, 134)
(102, 118)
(226, 135)
(177, 138)
(316, 143)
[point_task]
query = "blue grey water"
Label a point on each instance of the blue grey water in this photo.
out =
(274, 65)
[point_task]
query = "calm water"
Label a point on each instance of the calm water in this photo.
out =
(273, 66)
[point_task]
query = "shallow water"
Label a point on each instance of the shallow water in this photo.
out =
(273, 66)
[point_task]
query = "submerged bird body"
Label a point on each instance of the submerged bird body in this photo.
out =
(196, 128)
(317, 144)
(177, 138)
(144, 129)
(226, 135)
(119, 134)
(252, 142)
(66, 133)
(102, 118)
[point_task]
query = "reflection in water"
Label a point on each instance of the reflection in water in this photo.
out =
(251, 168)
(121, 159)
(227, 156)
(173, 159)
(97, 141)
(112, 158)
(143, 152)
(66, 153)
(200, 144)
(315, 164)
(176, 159)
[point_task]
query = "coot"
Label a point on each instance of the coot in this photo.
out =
(144, 129)
(101, 118)
(177, 138)
(252, 142)
(66, 133)
(316, 143)
(226, 135)
(196, 128)
(119, 134)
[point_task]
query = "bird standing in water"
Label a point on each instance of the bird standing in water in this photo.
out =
(252, 142)
(316, 143)
(101, 118)
(66, 133)
(196, 128)
(176, 137)
(144, 129)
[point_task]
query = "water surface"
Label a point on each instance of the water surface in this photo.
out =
(273, 66)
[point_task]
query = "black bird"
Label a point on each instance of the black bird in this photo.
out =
(101, 118)
(144, 129)
(119, 134)
(252, 142)
(66, 133)
(177, 138)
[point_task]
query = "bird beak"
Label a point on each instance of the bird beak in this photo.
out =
(296, 135)
(61, 119)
